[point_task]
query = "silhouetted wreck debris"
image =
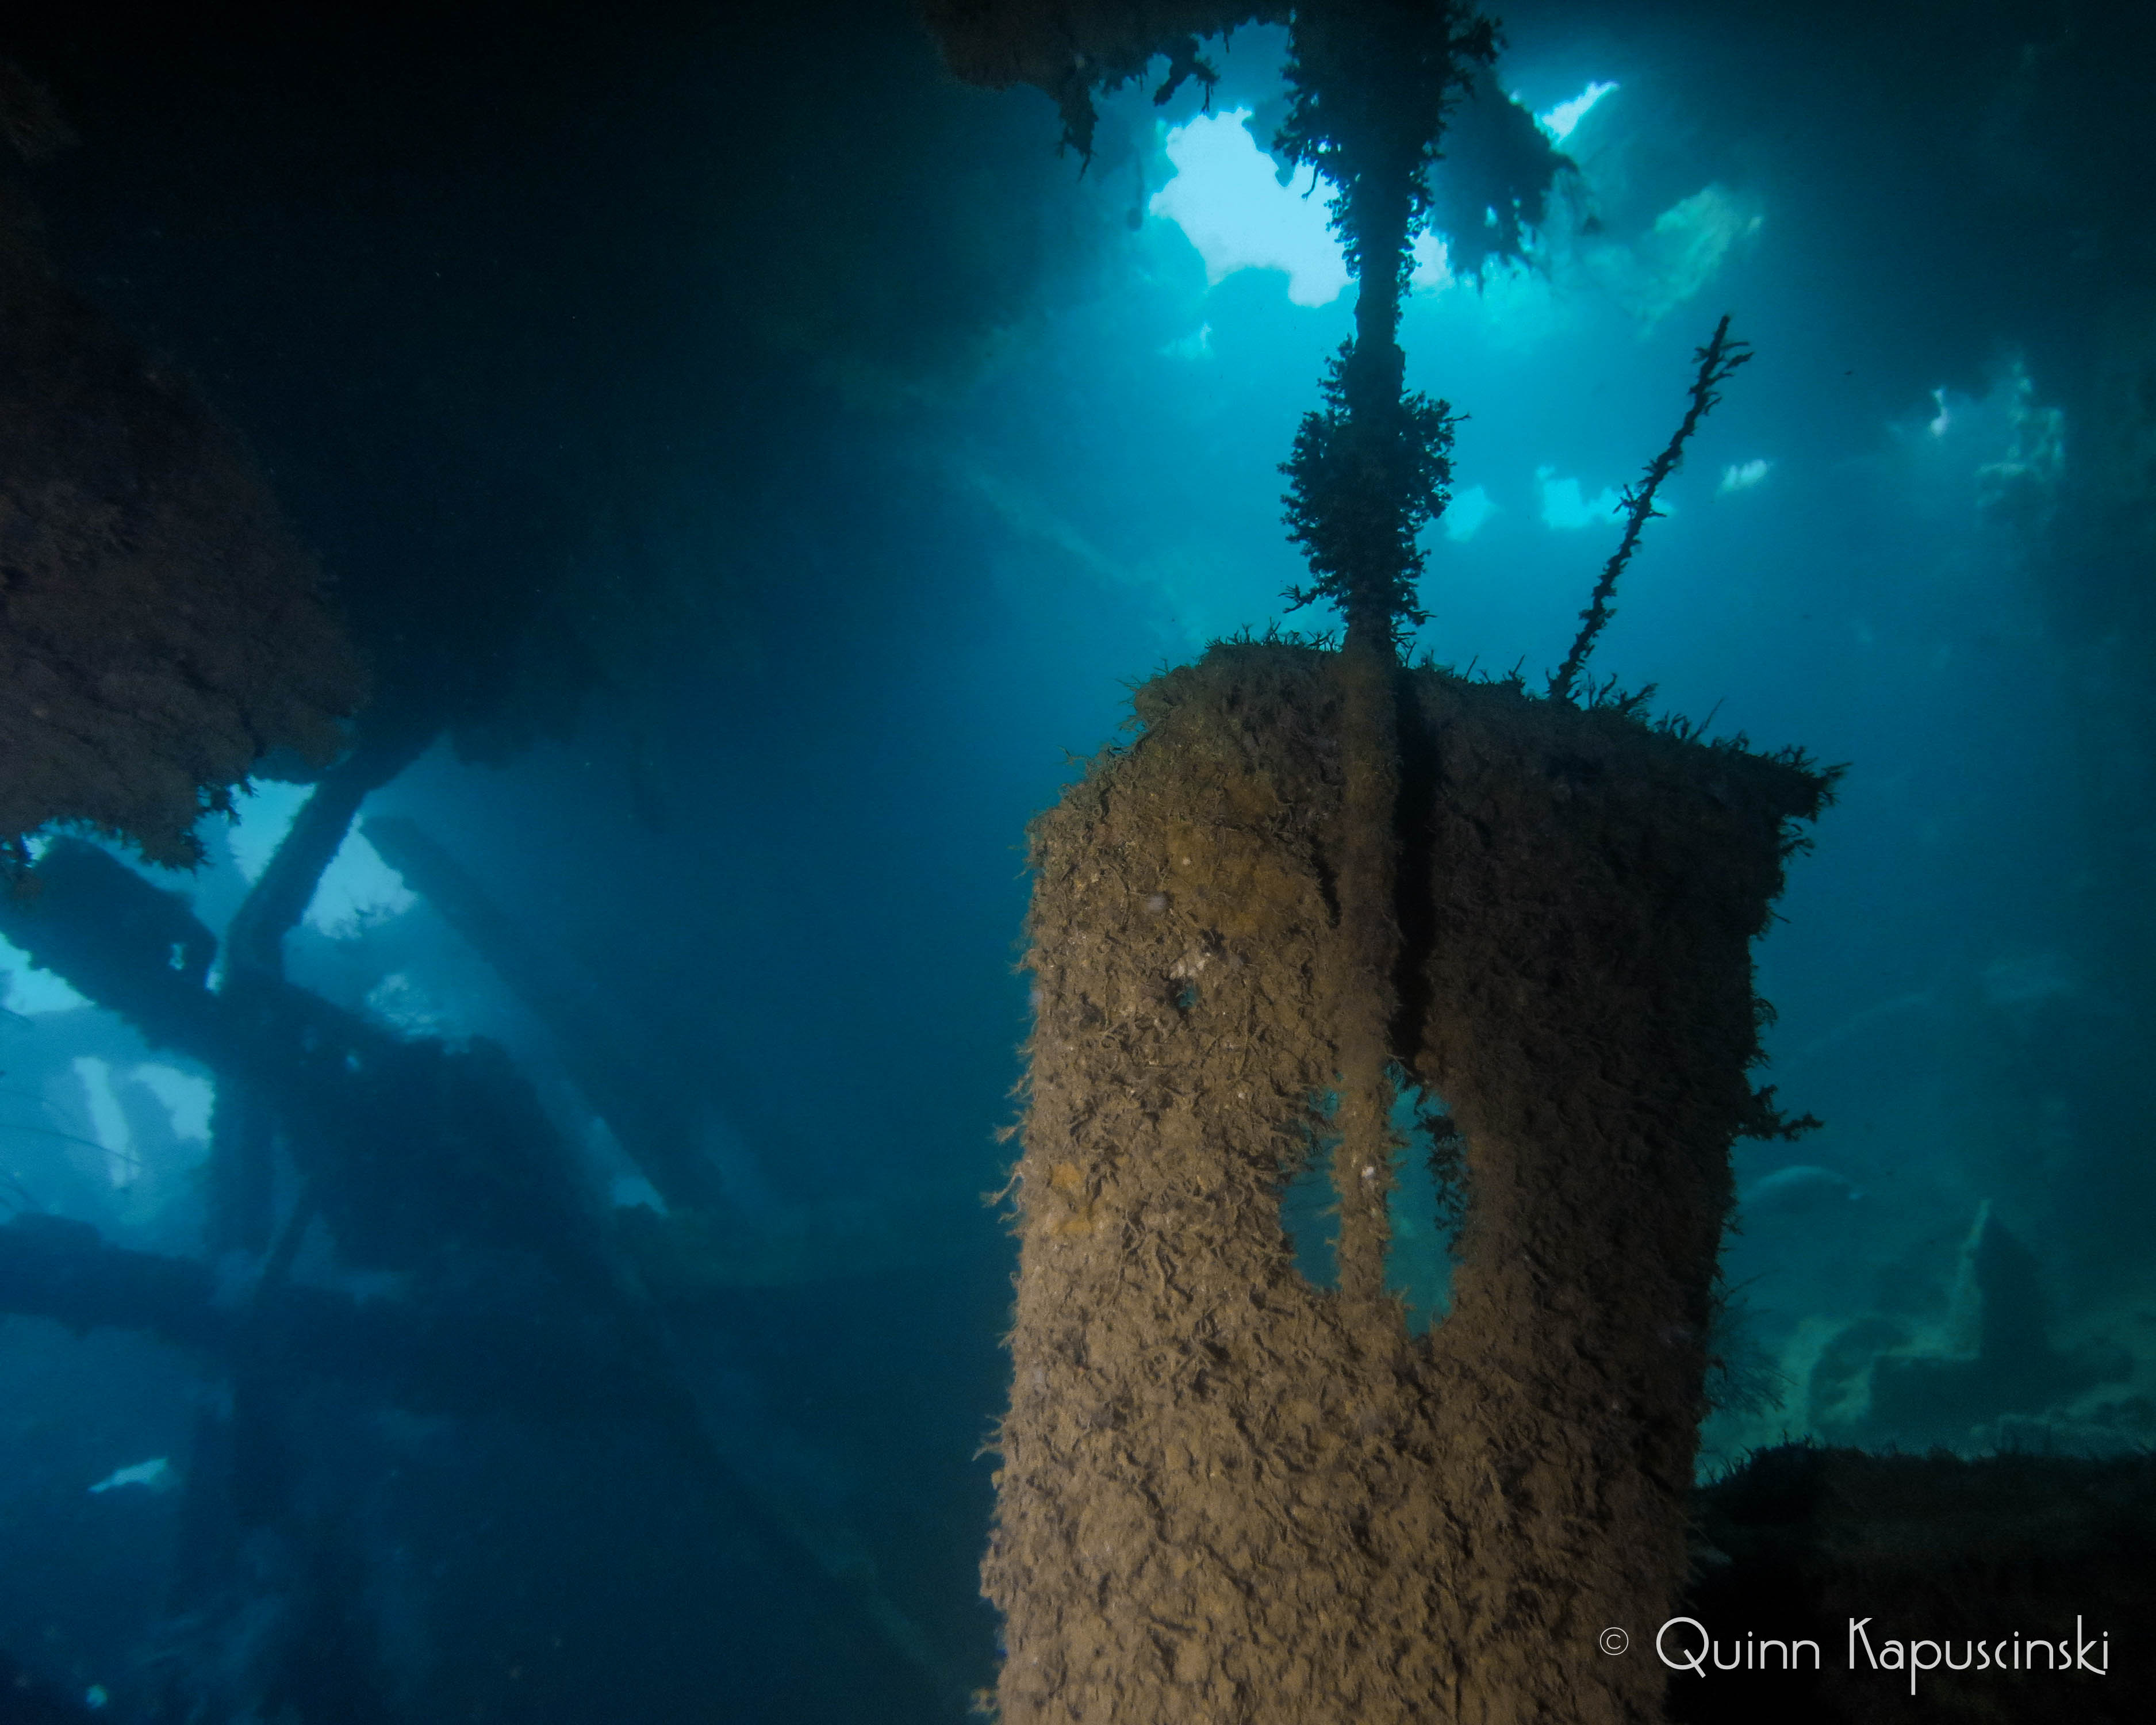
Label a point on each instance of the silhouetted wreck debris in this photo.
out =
(1803, 1542)
(599, 1051)
(405, 1143)
(529, 1354)
(630, 1070)
(1073, 50)
(2001, 1358)
(417, 1157)
(160, 629)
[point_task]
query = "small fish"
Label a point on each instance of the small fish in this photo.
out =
(1790, 1191)
(154, 1475)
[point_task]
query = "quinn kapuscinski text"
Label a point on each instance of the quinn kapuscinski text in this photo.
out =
(1684, 1644)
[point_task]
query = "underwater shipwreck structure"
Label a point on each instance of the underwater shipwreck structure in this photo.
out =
(1218, 1477)
(164, 639)
(1319, 883)
(162, 631)
(1318, 877)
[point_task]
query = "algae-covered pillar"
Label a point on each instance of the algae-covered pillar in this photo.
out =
(1229, 1495)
